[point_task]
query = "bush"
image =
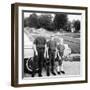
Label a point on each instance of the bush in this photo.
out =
(76, 25)
(45, 21)
(33, 20)
(26, 22)
(60, 20)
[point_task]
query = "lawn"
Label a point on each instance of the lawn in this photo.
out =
(72, 39)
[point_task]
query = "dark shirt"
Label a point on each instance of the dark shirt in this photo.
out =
(52, 45)
(60, 48)
(40, 42)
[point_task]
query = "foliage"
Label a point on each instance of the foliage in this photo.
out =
(45, 21)
(76, 25)
(26, 22)
(67, 27)
(33, 20)
(60, 20)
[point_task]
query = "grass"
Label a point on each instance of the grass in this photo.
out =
(72, 39)
(74, 35)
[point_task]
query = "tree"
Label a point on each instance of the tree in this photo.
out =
(45, 21)
(60, 20)
(67, 27)
(26, 22)
(33, 20)
(51, 27)
(77, 25)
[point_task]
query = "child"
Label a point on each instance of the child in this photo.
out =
(51, 50)
(60, 52)
(39, 49)
(67, 51)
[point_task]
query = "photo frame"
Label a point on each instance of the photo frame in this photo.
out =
(32, 28)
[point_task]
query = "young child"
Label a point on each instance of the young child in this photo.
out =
(67, 51)
(51, 50)
(60, 52)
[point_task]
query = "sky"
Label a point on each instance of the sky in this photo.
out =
(74, 17)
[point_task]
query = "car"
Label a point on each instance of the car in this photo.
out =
(28, 54)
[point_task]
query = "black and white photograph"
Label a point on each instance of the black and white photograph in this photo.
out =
(51, 46)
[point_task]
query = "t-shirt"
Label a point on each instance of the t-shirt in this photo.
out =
(40, 42)
(60, 47)
(52, 45)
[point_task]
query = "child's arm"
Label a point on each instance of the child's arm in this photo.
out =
(56, 53)
(59, 55)
(46, 52)
(34, 47)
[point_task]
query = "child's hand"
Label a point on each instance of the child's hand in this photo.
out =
(44, 55)
(59, 57)
(36, 54)
(48, 56)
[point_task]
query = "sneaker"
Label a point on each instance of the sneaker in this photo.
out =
(40, 75)
(48, 74)
(33, 75)
(62, 72)
(58, 72)
(53, 73)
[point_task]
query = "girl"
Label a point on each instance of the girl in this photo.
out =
(60, 52)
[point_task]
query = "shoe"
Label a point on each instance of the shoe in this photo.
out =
(33, 75)
(40, 75)
(53, 73)
(48, 74)
(62, 72)
(58, 72)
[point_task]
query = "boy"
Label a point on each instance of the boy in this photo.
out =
(51, 44)
(39, 49)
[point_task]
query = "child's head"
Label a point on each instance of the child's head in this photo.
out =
(52, 37)
(60, 41)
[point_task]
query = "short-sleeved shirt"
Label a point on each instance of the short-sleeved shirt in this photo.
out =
(40, 42)
(60, 48)
(52, 45)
